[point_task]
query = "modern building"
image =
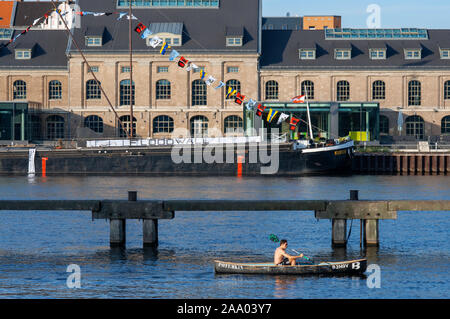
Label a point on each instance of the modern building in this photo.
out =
(357, 80)
(321, 22)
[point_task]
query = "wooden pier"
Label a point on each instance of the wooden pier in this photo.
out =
(150, 211)
(402, 163)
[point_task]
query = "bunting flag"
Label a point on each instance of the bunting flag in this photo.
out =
(260, 110)
(221, 85)
(146, 34)
(140, 28)
(191, 66)
(299, 99)
(239, 98)
(250, 105)
(182, 62)
(283, 117)
(210, 80)
(202, 74)
(121, 15)
(173, 55)
(271, 115)
(293, 123)
(164, 48)
(231, 92)
(155, 41)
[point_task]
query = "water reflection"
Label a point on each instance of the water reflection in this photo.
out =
(283, 286)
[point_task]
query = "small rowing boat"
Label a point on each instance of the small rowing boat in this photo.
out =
(351, 267)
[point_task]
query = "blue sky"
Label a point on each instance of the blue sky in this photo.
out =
(431, 14)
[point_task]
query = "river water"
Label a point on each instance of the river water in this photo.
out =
(37, 247)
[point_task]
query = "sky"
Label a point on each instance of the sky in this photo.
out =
(430, 14)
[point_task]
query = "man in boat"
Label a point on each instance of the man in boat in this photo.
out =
(282, 258)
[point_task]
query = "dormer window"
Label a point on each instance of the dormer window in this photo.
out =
(343, 54)
(445, 54)
(377, 54)
(413, 54)
(307, 54)
(234, 36)
(94, 41)
(23, 54)
(170, 32)
(234, 42)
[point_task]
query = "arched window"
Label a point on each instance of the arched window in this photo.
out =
(126, 124)
(94, 123)
(19, 90)
(54, 90)
(445, 125)
(199, 94)
(199, 126)
(163, 124)
(93, 91)
(163, 90)
(384, 125)
(271, 90)
(414, 93)
(447, 90)
(378, 90)
(126, 95)
(308, 89)
(234, 85)
(343, 91)
(233, 124)
(415, 126)
(55, 127)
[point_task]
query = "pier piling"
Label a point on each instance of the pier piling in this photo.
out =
(371, 232)
(117, 232)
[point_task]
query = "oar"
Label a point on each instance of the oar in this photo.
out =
(275, 239)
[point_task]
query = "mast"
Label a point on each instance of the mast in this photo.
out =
(131, 70)
(311, 136)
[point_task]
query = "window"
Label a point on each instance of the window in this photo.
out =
(384, 125)
(234, 85)
(233, 124)
(176, 42)
(445, 53)
(234, 42)
(272, 90)
(54, 90)
(378, 54)
(93, 41)
(163, 69)
(199, 126)
(198, 69)
(94, 123)
(343, 91)
(19, 90)
(199, 95)
(343, 54)
(413, 54)
(414, 93)
(126, 124)
(93, 91)
(93, 69)
(55, 127)
(307, 54)
(23, 54)
(447, 90)
(445, 125)
(378, 90)
(126, 93)
(233, 69)
(163, 124)
(125, 69)
(415, 126)
(307, 88)
(163, 90)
